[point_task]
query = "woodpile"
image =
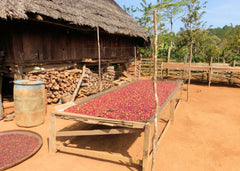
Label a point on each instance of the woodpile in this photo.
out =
(131, 68)
(60, 83)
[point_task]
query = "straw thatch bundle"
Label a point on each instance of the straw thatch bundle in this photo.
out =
(105, 14)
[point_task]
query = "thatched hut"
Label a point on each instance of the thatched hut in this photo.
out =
(50, 33)
(37, 32)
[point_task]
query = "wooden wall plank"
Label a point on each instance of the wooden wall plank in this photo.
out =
(41, 42)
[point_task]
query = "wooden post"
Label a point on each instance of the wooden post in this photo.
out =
(52, 133)
(140, 69)
(146, 147)
(162, 70)
(210, 72)
(1, 102)
(185, 62)
(202, 76)
(230, 81)
(79, 84)
(189, 70)
(135, 62)
(155, 137)
(99, 60)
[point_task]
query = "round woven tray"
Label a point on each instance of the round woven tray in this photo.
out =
(16, 146)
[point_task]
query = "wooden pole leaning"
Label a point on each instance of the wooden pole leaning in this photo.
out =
(79, 84)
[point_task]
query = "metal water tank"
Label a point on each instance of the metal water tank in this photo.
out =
(29, 102)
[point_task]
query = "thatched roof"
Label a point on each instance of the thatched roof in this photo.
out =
(103, 13)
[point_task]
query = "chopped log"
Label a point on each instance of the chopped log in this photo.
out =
(62, 83)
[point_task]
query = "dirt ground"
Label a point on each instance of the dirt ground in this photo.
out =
(205, 136)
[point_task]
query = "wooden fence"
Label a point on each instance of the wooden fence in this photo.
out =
(199, 71)
(147, 66)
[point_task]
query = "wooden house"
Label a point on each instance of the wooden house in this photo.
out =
(56, 33)
(63, 32)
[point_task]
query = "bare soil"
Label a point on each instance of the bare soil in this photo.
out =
(205, 136)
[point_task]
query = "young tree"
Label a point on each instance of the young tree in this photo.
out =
(169, 9)
(172, 10)
(206, 46)
(224, 51)
(193, 23)
(234, 44)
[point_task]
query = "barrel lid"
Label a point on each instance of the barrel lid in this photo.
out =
(28, 82)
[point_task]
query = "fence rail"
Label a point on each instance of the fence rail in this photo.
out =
(201, 71)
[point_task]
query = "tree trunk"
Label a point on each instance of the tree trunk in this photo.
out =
(155, 138)
(169, 52)
(185, 57)
(170, 47)
(189, 70)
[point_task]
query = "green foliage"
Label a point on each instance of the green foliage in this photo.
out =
(193, 24)
(234, 44)
(223, 33)
(228, 46)
(219, 44)
(192, 21)
(167, 10)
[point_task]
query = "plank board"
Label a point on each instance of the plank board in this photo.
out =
(96, 132)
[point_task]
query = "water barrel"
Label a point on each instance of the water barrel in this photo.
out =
(29, 102)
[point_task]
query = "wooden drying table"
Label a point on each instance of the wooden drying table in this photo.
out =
(125, 128)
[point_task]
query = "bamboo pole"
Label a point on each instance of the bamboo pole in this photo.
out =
(135, 63)
(140, 69)
(99, 60)
(155, 137)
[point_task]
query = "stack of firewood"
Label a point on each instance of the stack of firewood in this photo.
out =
(131, 68)
(63, 83)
